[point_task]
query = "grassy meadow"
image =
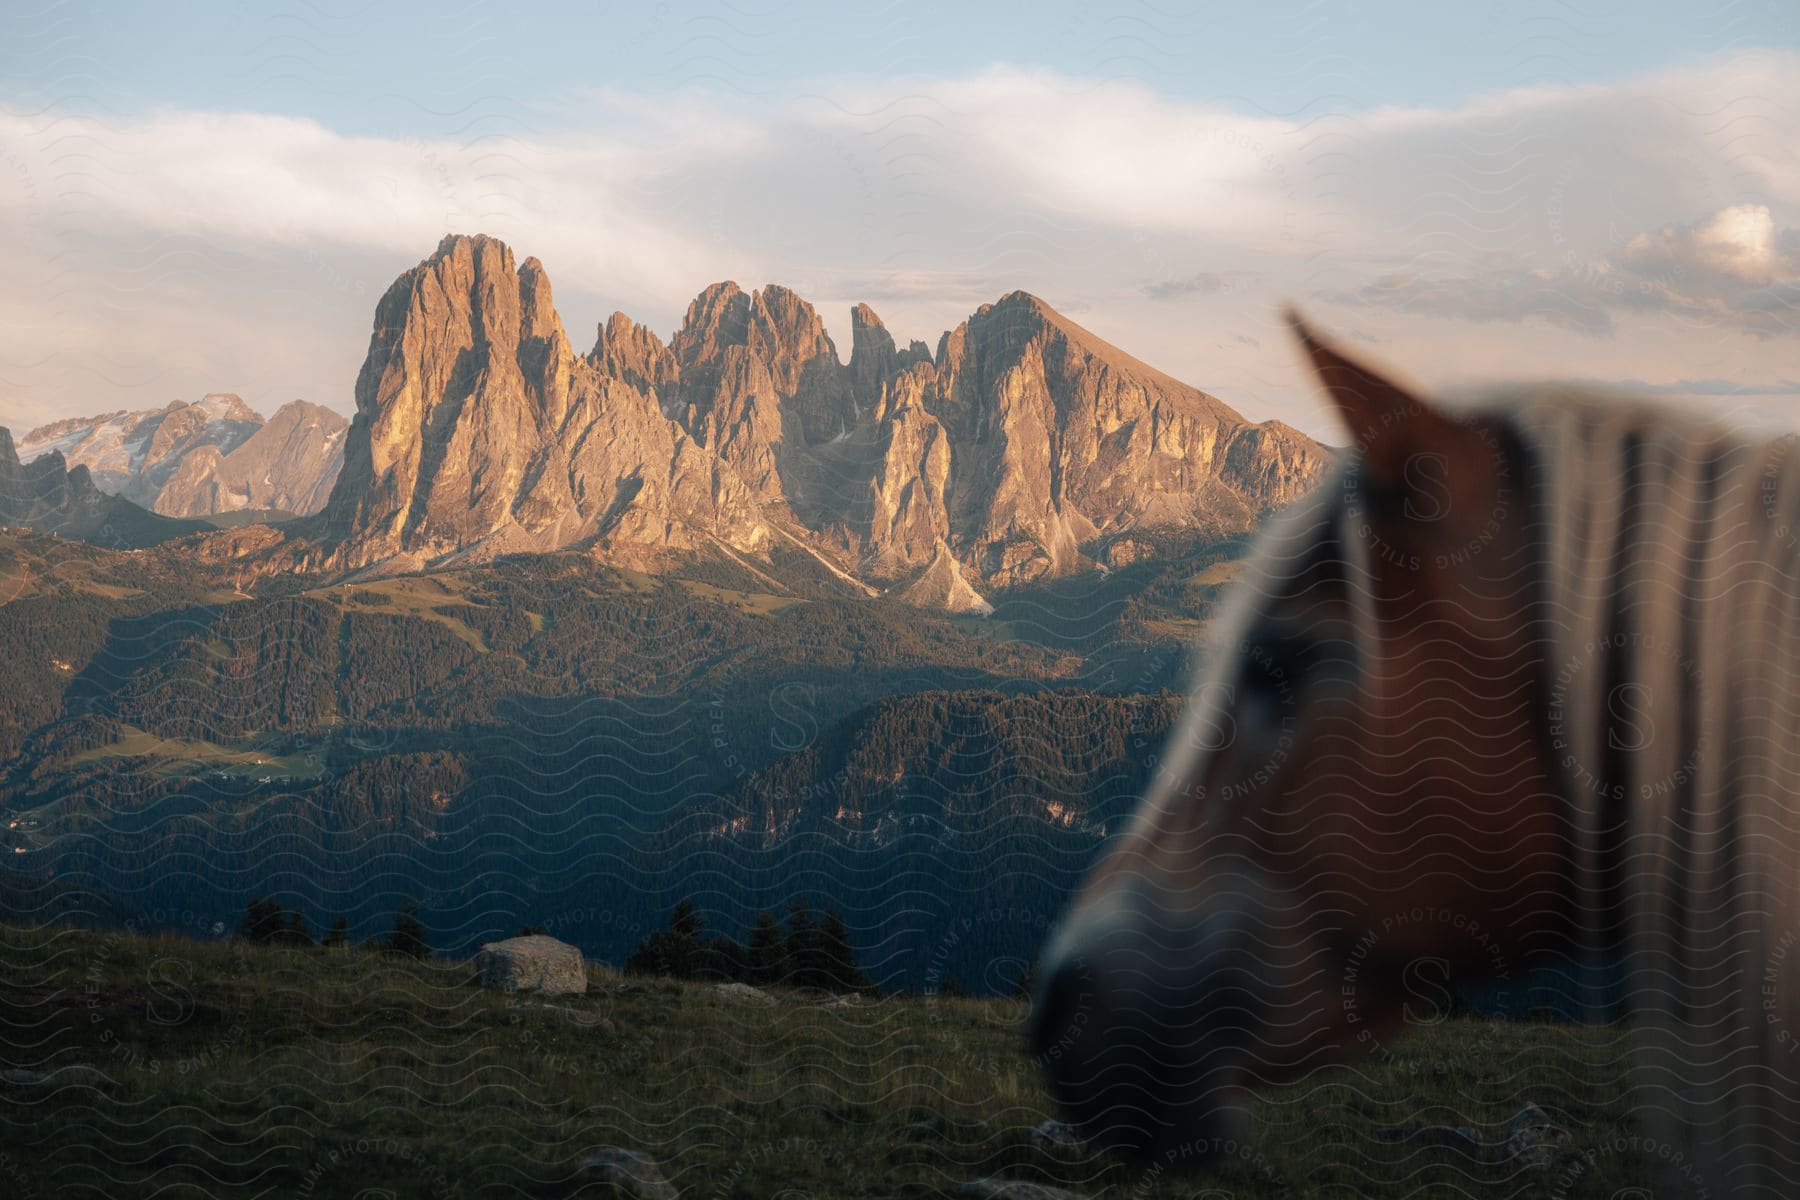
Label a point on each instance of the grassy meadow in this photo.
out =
(140, 1066)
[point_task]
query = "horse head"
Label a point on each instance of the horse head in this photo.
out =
(1357, 802)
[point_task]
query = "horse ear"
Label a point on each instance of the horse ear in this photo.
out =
(1387, 422)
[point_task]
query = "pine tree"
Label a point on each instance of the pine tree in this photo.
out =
(675, 951)
(338, 936)
(807, 963)
(837, 958)
(686, 920)
(408, 937)
(295, 931)
(261, 922)
(768, 960)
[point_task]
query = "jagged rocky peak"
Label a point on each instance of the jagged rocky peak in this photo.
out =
(467, 371)
(226, 406)
(545, 357)
(718, 318)
(1064, 440)
(1025, 450)
(165, 458)
(773, 322)
(874, 357)
(220, 419)
(632, 352)
(786, 332)
(287, 465)
(478, 432)
(787, 342)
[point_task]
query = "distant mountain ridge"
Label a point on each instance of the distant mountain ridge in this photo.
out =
(214, 456)
(1023, 449)
(47, 496)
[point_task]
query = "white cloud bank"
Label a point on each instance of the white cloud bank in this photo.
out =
(164, 256)
(1732, 271)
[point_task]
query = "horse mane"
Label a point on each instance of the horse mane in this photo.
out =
(1669, 604)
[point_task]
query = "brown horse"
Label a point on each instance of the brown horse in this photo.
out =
(1518, 685)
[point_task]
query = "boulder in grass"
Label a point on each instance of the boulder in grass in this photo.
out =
(1532, 1142)
(1536, 1143)
(743, 993)
(536, 963)
(630, 1173)
(1054, 1135)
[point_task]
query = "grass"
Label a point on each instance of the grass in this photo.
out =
(753, 603)
(1218, 574)
(173, 756)
(750, 603)
(422, 597)
(27, 571)
(211, 1068)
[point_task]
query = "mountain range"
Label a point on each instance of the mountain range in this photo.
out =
(572, 636)
(46, 495)
(1023, 448)
(202, 459)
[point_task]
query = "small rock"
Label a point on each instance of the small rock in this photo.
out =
(536, 963)
(1014, 1189)
(1534, 1142)
(1049, 1135)
(947, 1127)
(631, 1173)
(742, 992)
(848, 1000)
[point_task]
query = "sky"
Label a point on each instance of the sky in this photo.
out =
(213, 199)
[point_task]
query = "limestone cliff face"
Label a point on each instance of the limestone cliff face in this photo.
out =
(1064, 441)
(758, 382)
(786, 334)
(479, 432)
(450, 409)
(909, 511)
(874, 359)
(626, 350)
(287, 465)
(1025, 448)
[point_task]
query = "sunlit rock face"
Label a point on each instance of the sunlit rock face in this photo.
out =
(1017, 452)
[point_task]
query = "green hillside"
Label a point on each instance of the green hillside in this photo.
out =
(546, 735)
(179, 1068)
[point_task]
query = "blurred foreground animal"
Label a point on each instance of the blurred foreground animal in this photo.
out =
(1516, 687)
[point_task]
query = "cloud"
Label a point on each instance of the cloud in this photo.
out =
(1708, 387)
(166, 254)
(1739, 244)
(1201, 283)
(1206, 283)
(1731, 269)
